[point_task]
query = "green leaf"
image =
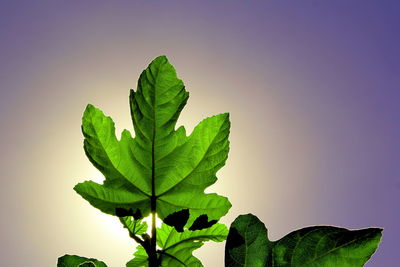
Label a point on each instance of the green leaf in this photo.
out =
(77, 261)
(191, 168)
(136, 227)
(160, 167)
(140, 258)
(317, 246)
(177, 247)
(247, 243)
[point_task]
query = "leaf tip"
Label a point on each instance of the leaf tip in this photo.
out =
(79, 187)
(377, 231)
(160, 60)
(89, 108)
(76, 187)
(89, 112)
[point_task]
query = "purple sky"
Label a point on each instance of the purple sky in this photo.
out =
(313, 89)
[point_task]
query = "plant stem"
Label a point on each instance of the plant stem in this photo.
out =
(153, 260)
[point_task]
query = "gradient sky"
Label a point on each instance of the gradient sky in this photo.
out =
(312, 88)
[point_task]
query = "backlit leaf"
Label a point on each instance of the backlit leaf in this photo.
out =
(137, 227)
(140, 258)
(160, 163)
(177, 247)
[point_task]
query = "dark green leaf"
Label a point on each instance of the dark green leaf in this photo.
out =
(247, 243)
(77, 261)
(317, 246)
(202, 222)
(178, 219)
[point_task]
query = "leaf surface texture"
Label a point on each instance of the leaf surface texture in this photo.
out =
(160, 163)
(176, 248)
(317, 246)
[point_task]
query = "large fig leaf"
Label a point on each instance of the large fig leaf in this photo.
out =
(318, 246)
(176, 247)
(160, 168)
(77, 261)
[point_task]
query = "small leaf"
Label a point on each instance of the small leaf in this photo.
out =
(77, 261)
(317, 246)
(135, 227)
(177, 248)
(140, 258)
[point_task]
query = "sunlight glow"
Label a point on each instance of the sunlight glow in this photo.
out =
(97, 176)
(148, 221)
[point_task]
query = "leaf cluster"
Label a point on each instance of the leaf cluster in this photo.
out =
(161, 171)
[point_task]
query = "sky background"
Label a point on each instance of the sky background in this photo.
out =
(312, 88)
